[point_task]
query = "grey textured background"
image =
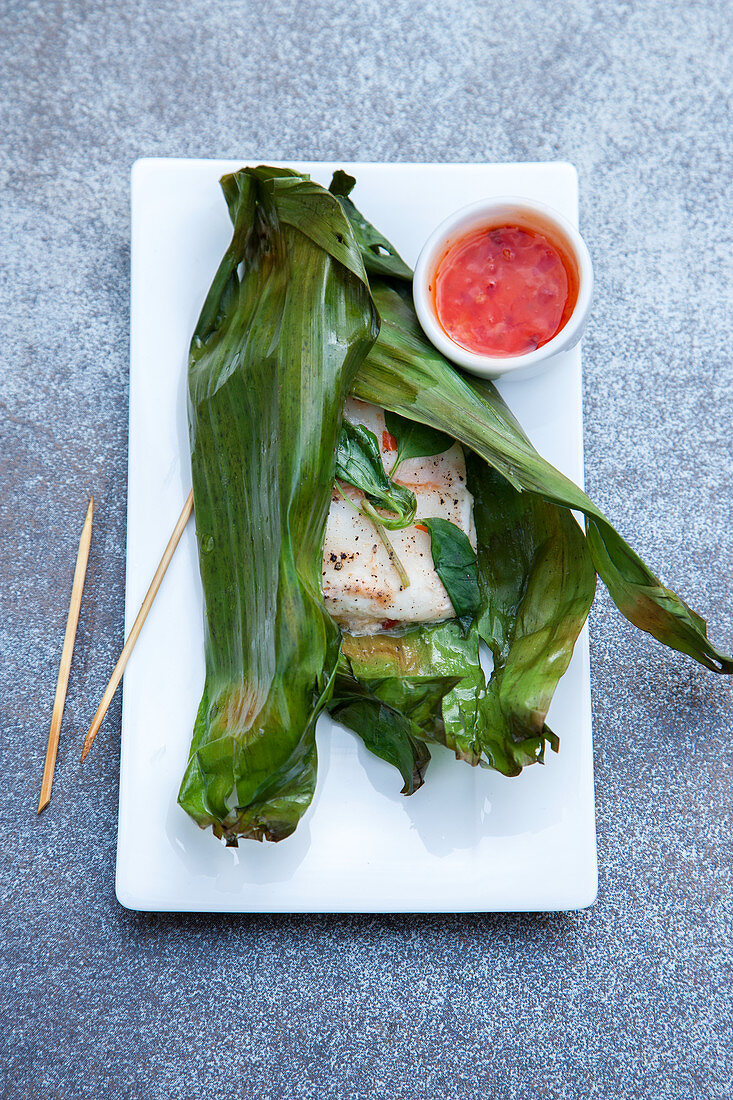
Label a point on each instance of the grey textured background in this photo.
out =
(630, 999)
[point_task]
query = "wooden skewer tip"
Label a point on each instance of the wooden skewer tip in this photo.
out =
(67, 652)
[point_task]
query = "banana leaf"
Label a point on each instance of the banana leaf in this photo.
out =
(379, 255)
(285, 332)
(282, 333)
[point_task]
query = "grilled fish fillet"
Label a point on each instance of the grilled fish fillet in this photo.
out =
(361, 587)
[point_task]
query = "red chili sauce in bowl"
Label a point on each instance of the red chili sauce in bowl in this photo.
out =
(504, 290)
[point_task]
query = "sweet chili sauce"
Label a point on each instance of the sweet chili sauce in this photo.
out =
(504, 290)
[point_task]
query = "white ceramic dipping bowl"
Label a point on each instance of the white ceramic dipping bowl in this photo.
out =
(491, 213)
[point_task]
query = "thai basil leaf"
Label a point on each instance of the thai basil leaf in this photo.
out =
(264, 420)
(359, 462)
(455, 563)
(415, 440)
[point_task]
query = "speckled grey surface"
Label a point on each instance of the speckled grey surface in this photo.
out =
(630, 999)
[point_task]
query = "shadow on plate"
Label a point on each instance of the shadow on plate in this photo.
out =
(458, 805)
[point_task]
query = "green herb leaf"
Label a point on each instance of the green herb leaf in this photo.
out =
(415, 440)
(456, 564)
(359, 462)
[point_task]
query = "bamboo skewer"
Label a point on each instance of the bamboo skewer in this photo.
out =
(67, 653)
(137, 625)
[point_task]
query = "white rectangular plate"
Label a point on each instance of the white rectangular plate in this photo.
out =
(470, 839)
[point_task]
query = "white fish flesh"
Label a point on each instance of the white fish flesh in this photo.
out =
(361, 586)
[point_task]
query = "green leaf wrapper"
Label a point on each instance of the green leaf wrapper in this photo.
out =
(537, 582)
(386, 732)
(284, 329)
(409, 673)
(287, 330)
(379, 255)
